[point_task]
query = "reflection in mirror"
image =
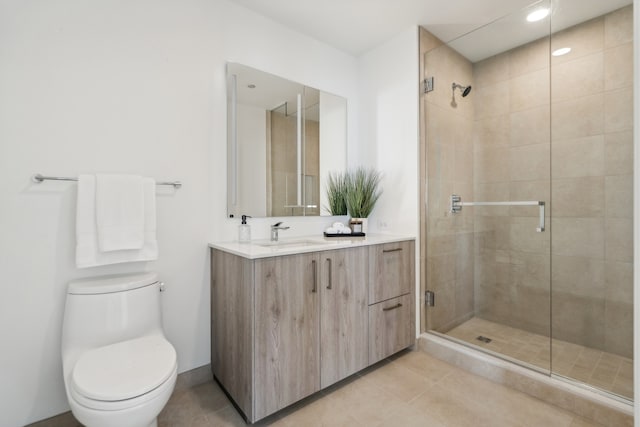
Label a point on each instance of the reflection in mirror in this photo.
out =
(283, 139)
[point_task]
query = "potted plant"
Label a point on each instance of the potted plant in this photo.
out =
(336, 189)
(361, 194)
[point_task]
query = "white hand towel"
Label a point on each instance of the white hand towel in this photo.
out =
(119, 212)
(88, 253)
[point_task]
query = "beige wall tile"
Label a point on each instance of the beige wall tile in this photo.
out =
(583, 39)
(619, 153)
(531, 270)
(619, 196)
(578, 319)
(441, 161)
(580, 77)
(619, 239)
(618, 27)
(441, 269)
(619, 281)
(579, 276)
(491, 100)
(492, 192)
(578, 197)
(578, 157)
(577, 118)
(491, 132)
(529, 58)
(578, 237)
(530, 126)
(618, 110)
(618, 322)
(428, 41)
(492, 165)
(529, 162)
(492, 70)
(618, 66)
(524, 238)
(529, 90)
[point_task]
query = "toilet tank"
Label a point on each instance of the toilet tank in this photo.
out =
(104, 310)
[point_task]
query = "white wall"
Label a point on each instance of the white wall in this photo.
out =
(389, 135)
(135, 87)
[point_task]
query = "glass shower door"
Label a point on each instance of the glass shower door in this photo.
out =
(488, 258)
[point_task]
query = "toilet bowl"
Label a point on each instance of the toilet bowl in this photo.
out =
(119, 369)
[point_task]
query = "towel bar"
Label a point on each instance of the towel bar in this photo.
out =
(39, 178)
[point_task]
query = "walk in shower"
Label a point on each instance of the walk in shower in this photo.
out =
(527, 174)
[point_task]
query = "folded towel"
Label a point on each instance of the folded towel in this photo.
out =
(333, 230)
(119, 212)
(88, 253)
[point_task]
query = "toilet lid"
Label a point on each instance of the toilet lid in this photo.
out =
(124, 370)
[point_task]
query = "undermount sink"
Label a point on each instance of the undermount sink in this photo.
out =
(292, 243)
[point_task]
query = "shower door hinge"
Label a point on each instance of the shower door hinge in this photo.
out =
(428, 84)
(429, 298)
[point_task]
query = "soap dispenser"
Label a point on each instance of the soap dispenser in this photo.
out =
(244, 230)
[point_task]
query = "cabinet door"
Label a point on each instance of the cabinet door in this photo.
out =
(287, 356)
(391, 270)
(390, 328)
(344, 313)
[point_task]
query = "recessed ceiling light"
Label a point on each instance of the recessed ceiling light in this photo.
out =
(561, 51)
(538, 14)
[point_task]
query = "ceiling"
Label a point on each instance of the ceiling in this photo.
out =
(356, 26)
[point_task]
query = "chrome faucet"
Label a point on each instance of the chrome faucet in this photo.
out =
(274, 231)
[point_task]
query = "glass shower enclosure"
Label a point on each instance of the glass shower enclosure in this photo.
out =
(527, 151)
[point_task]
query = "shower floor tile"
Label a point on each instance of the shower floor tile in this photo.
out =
(597, 368)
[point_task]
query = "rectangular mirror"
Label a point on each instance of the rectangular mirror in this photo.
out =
(283, 138)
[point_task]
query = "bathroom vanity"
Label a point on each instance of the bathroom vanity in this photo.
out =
(293, 317)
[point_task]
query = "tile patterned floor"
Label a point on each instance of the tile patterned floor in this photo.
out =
(604, 370)
(410, 389)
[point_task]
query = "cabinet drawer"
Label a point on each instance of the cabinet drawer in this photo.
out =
(390, 327)
(391, 270)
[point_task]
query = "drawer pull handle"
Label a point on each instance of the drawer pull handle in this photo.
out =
(315, 276)
(391, 250)
(330, 285)
(393, 307)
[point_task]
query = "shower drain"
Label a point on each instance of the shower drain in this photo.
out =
(483, 339)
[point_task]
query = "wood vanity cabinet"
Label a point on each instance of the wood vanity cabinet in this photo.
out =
(344, 313)
(284, 327)
(391, 302)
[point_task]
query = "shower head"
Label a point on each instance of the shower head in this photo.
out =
(465, 89)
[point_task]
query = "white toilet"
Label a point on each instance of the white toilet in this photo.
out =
(119, 369)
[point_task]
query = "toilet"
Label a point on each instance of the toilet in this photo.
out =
(119, 369)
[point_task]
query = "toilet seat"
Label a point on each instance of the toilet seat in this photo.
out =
(123, 374)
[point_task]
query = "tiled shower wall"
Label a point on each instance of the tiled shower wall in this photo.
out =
(592, 190)
(587, 117)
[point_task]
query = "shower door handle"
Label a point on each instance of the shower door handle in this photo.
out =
(456, 205)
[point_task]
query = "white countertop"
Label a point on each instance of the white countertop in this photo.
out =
(296, 245)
